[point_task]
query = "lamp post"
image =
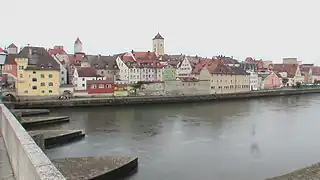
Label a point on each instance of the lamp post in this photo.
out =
(3, 56)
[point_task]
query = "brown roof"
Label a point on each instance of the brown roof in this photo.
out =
(158, 36)
(38, 59)
(100, 81)
(289, 68)
(221, 68)
(10, 59)
(103, 62)
(87, 72)
(12, 46)
(316, 70)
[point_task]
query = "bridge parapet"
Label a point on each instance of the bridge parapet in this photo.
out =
(27, 159)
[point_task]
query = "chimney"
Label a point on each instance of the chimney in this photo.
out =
(132, 51)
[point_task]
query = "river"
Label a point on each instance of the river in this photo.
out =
(223, 140)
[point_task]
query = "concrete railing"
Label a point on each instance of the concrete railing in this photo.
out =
(28, 161)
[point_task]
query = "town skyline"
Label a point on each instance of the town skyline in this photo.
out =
(265, 30)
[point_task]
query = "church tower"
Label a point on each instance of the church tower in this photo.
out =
(158, 44)
(78, 46)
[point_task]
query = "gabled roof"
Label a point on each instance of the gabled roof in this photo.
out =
(158, 36)
(103, 62)
(87, 72)
(11, 59)
(78, 41)
(12, 46)
(1, 50)
(290, 69)
(38, 59)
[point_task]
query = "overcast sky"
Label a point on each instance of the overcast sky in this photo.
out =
(267, 29)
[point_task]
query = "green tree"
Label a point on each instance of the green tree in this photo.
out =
(298, 84)
(136, 86)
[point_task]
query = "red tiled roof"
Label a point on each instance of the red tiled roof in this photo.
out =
(56, 50)
(87, 72)
(197, 69)
(289, 68)
(10, 59)
(12, 46)
(76, 58)
(1, 50)
(142, 59)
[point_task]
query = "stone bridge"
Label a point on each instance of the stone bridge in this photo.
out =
(21, 158)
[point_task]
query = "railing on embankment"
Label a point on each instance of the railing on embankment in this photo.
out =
(27, 159)
(103, 101)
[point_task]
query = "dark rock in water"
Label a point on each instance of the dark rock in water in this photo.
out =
(96, 168)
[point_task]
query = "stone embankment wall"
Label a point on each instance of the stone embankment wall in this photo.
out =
(111, 101)
(27, 159)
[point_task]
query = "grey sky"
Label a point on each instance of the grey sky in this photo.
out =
(268, 29)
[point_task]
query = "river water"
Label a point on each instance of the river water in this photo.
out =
(226, 140)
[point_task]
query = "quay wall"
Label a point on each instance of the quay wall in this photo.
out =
(28, 161)
(112, 101)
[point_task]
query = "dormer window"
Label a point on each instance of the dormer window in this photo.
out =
(49, 65)
(42, 66)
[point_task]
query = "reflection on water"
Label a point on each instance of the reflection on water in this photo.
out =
(207, 140)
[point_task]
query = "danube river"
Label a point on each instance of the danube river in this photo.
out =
(226, 140)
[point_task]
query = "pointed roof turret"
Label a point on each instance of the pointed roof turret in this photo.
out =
(78, 41)
(158, 36)
(12, 46)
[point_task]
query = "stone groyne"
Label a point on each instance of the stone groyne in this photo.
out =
(112, 101)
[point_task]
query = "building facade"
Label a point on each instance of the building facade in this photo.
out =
(82, 75)
(269, 81)
(158, 44)
(105, 87)
(38, 73)
(139, 66)
(61, 57)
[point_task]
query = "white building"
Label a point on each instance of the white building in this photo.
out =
(62, 59)
(78, 46)
(252, 69)
(82, 75)
(185, 68)
(139, 66)
(158, 44)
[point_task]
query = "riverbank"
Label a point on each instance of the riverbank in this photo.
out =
(113, 101)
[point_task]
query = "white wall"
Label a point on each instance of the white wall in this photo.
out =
(185, 69)
(27, 159)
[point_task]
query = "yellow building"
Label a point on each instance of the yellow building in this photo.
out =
(38, 73)
(226, 79)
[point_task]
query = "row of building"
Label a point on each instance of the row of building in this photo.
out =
(37, 72)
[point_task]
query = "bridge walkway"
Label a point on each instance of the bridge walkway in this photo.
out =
(6, 172)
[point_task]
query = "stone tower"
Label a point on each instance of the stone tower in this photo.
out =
(158, 44)
(78, 46)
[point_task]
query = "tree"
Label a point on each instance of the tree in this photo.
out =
(136, 86)
(298, 84)
(285, 81)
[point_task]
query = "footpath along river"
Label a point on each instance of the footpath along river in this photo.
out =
(226, 140)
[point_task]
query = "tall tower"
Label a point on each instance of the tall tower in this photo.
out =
(158, 44)
(78, 46)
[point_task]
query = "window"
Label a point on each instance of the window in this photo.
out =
(50, 75)
(34, 79)
(50, 91)
(101, 85)
(82, 85)
(21, 75)
(41, 75)
(62, 79)
(34, 87)
(93, 86)
(42, 84)
(42, 91)
(25, 91)
(108, 86)
(62, 72)
(50, 83)
(82, 79)
(34, 72)
(21, 67)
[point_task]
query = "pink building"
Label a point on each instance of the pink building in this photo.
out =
(270, 81)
